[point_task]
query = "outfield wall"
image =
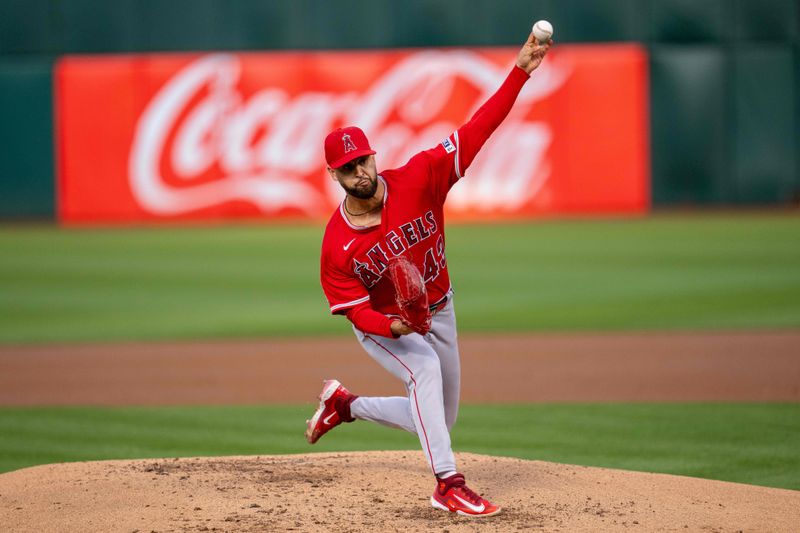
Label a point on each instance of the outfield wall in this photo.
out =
(725, 74)
(222, 136)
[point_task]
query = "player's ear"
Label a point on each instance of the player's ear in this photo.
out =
(332, 173)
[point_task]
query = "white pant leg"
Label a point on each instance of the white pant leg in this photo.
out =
(413, 360)
(443, 337)
(392, 411)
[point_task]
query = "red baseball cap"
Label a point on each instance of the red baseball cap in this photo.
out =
(342, 145)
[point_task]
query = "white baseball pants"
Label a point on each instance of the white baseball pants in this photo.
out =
(430, 367)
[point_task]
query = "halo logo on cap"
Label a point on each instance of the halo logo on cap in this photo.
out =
(348, 143)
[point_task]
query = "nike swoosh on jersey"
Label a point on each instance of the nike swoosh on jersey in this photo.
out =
(477, 508)
(346, 246)
(327, 418)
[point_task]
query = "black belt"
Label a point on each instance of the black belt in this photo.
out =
(438, 306)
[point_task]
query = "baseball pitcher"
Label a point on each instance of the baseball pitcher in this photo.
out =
(384, 267)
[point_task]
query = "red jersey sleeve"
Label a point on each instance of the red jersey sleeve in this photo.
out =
(347, 296)
(450, 159)
(343, 291)
(370, 321)
(443, 167)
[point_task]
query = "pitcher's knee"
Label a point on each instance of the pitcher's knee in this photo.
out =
(428, 368)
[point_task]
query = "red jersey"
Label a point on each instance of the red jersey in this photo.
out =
(354, 258)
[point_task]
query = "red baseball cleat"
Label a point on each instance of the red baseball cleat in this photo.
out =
(334, 408)
(452, 494)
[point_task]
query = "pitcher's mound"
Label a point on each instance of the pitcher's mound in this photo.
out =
(373, 491)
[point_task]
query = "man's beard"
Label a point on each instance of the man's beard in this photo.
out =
(363, 193)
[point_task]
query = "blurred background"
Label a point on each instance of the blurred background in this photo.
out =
(667, 185)
(723, 90)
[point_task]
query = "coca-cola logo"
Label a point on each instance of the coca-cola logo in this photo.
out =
(201, 142)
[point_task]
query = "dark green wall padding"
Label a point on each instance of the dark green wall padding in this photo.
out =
(688, 122)
(26, 139)
(725, 74)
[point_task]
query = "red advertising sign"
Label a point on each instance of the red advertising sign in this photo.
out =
(195, 137)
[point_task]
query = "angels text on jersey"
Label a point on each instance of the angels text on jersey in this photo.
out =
(404, 237)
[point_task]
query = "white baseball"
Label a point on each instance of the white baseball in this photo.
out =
(542, 30)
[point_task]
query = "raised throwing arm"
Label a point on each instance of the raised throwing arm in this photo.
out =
(473, 134)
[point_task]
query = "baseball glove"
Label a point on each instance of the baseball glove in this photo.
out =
(410, 294)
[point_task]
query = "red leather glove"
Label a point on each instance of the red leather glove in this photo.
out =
(410, 294)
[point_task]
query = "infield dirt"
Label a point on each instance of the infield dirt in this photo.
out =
(374, 491)
(711, 366)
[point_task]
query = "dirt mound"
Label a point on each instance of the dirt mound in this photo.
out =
(373, 491)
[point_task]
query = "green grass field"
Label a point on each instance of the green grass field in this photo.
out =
(662, 272)
(691, 272)
(735, 442)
